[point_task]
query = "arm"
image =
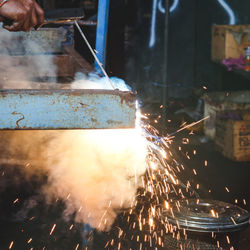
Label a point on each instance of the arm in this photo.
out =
(23, 14)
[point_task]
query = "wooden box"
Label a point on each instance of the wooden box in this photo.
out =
(233, 136)
(229, 41)
(216, 102)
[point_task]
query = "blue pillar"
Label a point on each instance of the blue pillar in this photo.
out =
(101, 32)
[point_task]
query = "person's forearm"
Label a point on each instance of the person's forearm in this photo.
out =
(22, 15)
(2, 3)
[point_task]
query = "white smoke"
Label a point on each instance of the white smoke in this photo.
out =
(23, 59)
(95, 172)
(93, 81)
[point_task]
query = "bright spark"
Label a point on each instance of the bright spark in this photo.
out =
(52, 229)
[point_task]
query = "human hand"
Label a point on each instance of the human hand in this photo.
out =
(21, 15)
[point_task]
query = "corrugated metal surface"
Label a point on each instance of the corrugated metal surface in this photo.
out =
(66, 109)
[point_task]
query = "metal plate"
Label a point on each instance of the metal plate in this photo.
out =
(66, 109)
(195, 215)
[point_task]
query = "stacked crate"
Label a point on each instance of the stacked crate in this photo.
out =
(229, 41)
(229, 123)
(233, 134)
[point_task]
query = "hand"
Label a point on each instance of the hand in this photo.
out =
(23, 14)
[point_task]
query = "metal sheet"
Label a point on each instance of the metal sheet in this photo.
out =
(66, 109)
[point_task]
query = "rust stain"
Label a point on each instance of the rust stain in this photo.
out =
(111, 122)
(3, 95)
(129, 97)
(93, 120)
(84, 105)
(17, 122)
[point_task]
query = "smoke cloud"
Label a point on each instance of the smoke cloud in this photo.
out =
(22, 59)
(95, 172)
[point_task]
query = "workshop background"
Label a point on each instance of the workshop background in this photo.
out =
(136, 48)
(181, 58)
